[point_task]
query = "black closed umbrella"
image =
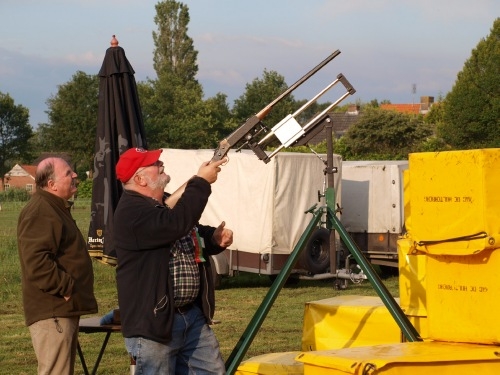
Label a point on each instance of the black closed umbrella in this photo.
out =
(119, 127)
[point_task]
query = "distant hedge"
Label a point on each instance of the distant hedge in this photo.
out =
(15, 195)
(22, 195)
(85, 189)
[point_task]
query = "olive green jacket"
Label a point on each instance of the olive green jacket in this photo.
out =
(54, 261)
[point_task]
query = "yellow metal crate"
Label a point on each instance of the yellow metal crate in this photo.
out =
(463, 297)
(407, 200)
(347, 321)
(411, 358)
(455, 204)
(272, 364)
(412, 285)
(412, 279)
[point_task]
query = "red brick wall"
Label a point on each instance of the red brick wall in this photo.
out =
(19, 182)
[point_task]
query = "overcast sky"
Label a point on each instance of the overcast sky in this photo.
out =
(387, 46)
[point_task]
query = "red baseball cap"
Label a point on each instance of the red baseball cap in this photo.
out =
(133, 159)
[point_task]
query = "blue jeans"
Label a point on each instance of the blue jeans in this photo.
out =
(194, 349)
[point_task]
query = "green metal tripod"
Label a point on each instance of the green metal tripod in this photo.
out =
(333, 223)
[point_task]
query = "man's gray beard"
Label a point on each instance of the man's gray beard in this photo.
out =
(160, 183)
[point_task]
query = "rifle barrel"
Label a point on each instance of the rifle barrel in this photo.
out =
(263, 113)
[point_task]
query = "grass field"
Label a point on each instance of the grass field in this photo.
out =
(237, 301)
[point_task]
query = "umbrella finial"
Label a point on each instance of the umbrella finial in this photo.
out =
(114, 42)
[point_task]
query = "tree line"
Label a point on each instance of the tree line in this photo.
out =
(176, 115)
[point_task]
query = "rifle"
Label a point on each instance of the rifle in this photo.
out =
(288, 130)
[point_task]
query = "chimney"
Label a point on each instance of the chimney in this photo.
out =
(353, 109)
(426, 104)
(427, 100)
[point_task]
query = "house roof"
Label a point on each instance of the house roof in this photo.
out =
(31, 169)
(341, 122)
(22, 171)
(403, 108)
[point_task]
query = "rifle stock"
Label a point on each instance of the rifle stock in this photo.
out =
(244, 130)
(264, 112)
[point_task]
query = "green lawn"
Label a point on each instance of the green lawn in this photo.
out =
(237, 301)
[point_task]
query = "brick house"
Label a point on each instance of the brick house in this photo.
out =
(19, 177)
(421, 108)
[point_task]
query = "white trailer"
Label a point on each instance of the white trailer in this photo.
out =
(373, 207)
(264, 205)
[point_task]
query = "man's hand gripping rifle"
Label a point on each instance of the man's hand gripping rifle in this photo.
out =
(288, 131)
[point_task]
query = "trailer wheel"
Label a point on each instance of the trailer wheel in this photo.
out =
(316, 257)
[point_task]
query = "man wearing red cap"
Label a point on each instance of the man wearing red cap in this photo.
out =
(165, 289)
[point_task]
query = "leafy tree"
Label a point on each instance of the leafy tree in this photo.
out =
(435, 118)
(178, 118)
(174, 51)
(472, 108)
(433, 144)
(313, 109)
(261, 92)
(15, 133)
(85, 189)
(174, 112)
(436, 112)
(216, 120)
(150, 106)
(381, 134)
(73, 119)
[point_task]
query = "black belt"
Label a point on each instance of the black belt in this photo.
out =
(184, 309)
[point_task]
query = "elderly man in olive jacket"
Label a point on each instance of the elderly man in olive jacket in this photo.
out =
(56, 269)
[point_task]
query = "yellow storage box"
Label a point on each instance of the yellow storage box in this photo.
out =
(411, 358)
(412, 286)
(455, 204)
(347, 321)
(463, 297)
(412, 279)
(406, 200)
(272, 364)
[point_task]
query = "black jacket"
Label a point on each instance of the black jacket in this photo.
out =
(144, 231)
